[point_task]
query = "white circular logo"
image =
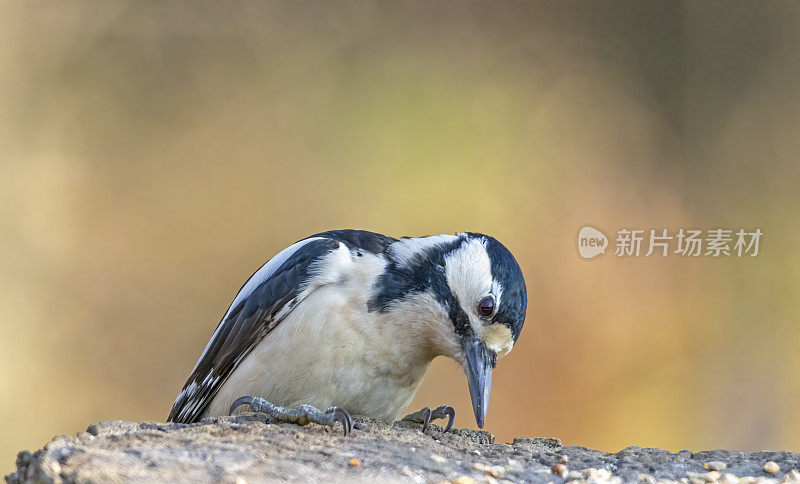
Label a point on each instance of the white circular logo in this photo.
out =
(591, 242)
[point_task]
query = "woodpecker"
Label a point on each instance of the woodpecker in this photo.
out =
(349, 320)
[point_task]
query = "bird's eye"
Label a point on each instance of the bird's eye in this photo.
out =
(486, 306)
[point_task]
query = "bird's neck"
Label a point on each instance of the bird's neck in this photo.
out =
(419, 331)
(402, 330)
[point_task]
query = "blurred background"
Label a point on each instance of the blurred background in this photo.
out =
(154, 154)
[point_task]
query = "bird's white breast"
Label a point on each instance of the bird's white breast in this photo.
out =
(331, 350)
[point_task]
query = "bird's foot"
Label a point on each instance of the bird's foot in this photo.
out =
(302, 415)
(425, 416)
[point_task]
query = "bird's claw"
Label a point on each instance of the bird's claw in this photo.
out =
(301, 415)
(448, 412)
(242, 401)
(340, 415)
(425, 416)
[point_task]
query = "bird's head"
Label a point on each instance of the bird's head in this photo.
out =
(477, 298)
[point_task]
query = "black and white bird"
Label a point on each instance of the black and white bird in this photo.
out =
(349, 320)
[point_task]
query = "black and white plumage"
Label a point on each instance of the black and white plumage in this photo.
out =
(353, 318)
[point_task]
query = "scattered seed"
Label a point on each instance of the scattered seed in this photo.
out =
(771, 467)
(354, 462)
(715, 465)
(563, 459)
(463, 480)
(559, 470)
(711, 476)
(494, 471)
(592, 474)
(438, 459)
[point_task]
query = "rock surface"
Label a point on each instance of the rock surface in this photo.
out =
(250, 448)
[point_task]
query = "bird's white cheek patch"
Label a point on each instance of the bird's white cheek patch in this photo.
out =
(498, 338)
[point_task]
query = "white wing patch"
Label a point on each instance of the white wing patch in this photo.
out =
(266, 271)
(261, 275)
(329, 269)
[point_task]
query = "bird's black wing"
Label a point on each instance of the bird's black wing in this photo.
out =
(360, 240)
(266, 298)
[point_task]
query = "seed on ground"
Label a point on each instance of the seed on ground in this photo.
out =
(592, 474)
(771, 467)
(710, 476)
(716, 465)
(463, 480)
(559, 470)
(438, 459)
(494, 471)
(354, 462)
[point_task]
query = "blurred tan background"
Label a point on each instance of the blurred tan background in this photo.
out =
(153, 155)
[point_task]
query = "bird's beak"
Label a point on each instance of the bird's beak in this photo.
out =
(480, 362)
